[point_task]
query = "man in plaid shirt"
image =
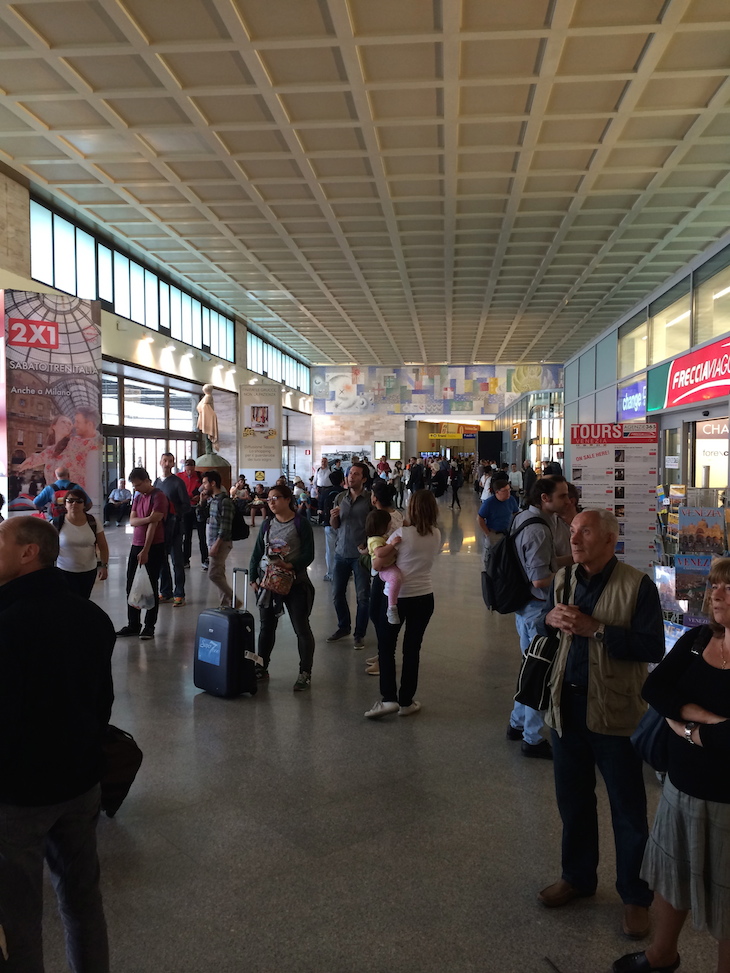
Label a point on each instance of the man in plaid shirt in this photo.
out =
(216, 507)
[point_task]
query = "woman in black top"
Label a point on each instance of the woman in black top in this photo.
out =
(687, 858)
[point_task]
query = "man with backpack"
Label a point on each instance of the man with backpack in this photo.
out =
(54, 493)
(535, 548)
(216, 507)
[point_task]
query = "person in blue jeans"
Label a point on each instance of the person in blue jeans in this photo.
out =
(536, 551)
(348, 517)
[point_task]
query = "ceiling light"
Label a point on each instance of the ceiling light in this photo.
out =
(190, 354)
(675, 320)
(149, 339)
(170, 347)
(252, 381)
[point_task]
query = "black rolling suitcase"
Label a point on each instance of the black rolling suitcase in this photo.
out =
(225, 657)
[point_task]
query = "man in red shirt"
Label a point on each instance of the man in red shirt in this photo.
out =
(193, 480)
(149, 509)
(383, 466)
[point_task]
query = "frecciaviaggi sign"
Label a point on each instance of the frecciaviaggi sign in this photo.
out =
(701, 375)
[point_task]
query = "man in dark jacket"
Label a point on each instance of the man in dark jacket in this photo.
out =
(55, 701)
(176, 492)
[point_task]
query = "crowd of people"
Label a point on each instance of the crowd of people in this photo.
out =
(604, 614)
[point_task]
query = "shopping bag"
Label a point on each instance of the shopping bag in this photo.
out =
(141, 594)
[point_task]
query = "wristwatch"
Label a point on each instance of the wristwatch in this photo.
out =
(599, 632)
(688, 727)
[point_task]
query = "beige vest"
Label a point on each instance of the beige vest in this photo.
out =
(614, 703)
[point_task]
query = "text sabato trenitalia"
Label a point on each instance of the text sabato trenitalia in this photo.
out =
(714, 368)
(49, 366)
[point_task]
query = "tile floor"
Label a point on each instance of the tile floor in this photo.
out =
(287, 834)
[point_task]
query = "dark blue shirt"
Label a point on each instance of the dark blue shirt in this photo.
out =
(643, 642)
(498, 514)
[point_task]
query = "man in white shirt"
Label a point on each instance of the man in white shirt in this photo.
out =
(322, 474)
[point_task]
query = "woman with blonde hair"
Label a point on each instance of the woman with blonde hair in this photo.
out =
(420, 542)
(687, 857)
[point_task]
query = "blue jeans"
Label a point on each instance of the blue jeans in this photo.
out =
(525, 716)
(344, 567)
(576, 754)
(65, 834)
(173, 549)
(330, 539)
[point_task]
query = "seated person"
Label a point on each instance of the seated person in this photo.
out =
(118, 505)
(258, 503)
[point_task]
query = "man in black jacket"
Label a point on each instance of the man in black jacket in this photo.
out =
(55, 701)
(177, 494)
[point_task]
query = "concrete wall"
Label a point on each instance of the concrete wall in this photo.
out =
(14, 227)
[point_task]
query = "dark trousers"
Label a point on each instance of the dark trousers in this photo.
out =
(344, 567)
(576, 755)
(65, 835)
(191, 527)
(298, 603)
(174, 550)
(455, 496)
(154, 563)
(415, 614)
(80, 582)
(118, 512)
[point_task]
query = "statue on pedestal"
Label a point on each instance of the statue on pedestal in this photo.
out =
(207, 419)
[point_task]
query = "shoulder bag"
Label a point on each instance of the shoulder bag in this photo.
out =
(533, 682)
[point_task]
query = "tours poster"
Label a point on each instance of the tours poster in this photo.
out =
(614, 465)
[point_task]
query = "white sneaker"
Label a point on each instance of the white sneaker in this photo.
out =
(393, 616)
(381, 709)
(407, 710)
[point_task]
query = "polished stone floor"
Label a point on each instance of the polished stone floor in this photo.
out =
(285, 833)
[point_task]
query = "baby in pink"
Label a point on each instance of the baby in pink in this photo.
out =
(376, 527)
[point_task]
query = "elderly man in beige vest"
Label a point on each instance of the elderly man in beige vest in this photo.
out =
(608, 633)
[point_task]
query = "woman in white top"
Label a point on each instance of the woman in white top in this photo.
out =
(79, 541)
(420, 543)
(382, 497)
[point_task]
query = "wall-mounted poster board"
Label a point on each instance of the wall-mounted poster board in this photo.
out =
(614, 465)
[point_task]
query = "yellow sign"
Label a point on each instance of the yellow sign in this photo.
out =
(445, 435)
(260, 476)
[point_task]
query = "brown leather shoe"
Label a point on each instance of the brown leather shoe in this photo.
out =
(635, 923)
(561, 893)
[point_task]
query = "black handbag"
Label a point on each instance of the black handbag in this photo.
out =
(533, 682)
(122, 759)
(651, 740)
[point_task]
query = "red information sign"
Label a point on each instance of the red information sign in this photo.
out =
(604, 433)
(701, 375)
(24, 333)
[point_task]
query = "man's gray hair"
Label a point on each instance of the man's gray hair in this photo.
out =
(33, 530)
(607, 519)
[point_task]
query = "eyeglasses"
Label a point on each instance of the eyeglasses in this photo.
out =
(74, 500)
(274, 498)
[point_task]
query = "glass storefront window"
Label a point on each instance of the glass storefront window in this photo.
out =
(670, 330)
(711, 446)
(183, 415)
(712, 304)
(632, 342)
(110, 399)
(144, 405)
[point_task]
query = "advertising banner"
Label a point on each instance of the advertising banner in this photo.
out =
(261, 419)
(631, 400)
(614, 465)
(697, 377)
(51, 393)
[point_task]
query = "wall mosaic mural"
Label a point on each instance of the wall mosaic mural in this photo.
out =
(437, 390)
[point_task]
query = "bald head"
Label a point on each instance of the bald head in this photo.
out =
(62, 473)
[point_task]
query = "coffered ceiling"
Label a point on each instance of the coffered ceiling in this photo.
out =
(386, 181)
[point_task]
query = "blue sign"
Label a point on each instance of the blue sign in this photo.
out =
(631, 401)
(470, 435)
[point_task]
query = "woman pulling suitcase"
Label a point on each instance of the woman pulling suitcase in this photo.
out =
(283, 551)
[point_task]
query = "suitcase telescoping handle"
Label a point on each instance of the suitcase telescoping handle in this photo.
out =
(245, 587)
